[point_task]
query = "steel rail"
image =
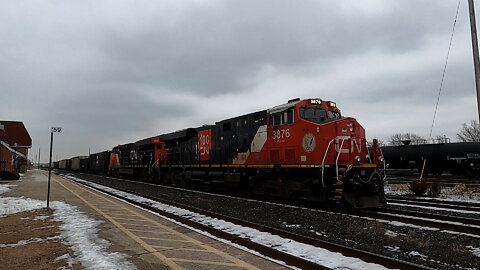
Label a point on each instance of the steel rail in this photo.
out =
(458, 205)
(433, 220)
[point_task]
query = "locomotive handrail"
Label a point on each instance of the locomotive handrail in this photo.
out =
(338, 156)
(384, 164)
(324, 157)
(369, 156)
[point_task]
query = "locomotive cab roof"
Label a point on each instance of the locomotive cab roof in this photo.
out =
(311, 101)
(283, 107)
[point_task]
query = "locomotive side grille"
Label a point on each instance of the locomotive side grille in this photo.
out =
(290, 155)
(274, 156)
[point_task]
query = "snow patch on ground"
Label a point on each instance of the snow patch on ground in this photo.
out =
(291, 225)
(391, 233)
(416, 254)
(475, 251)
(68, 259)
(77, 230)
(397, 190)
(5, 188)
(314, 254)
(81, 233)
(319, 233)
(25, 242)
(394, 249)
(13, 205)
(458, 193)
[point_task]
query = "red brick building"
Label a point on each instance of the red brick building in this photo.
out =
(14, 145)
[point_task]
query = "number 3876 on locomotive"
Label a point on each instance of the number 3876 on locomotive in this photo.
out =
(304, 149)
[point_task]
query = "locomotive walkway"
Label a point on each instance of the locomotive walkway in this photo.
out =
(152, 242)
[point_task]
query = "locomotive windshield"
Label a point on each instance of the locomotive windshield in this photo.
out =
(318, 115)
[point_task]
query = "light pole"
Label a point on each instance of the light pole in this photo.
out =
(476, 62)
(54, 130)
(2, 131)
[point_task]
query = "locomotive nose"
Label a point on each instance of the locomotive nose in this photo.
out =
(349, 140)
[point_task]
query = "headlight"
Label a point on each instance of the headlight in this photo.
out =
(357, 159)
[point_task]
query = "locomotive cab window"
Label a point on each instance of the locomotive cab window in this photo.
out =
(313, 115)
(334, 115)
(282, 118)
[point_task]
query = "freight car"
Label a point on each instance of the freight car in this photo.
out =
(457, 158)
(84, 164)
(62, 164)
(301, 149)
(99, 162)
(75, 163)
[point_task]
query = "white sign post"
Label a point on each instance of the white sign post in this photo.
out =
(54, 130)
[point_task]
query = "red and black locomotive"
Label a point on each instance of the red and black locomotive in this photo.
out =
(302, 149)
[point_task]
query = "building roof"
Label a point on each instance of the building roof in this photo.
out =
(15, 132)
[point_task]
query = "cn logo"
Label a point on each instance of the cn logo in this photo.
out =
(204, 144)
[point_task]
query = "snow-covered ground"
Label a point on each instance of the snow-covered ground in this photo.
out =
(5, 188)
(460, 193)
(78, 231)
(314, 254)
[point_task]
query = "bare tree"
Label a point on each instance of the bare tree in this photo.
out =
(380, 143)
(469, 133)
(406, 138)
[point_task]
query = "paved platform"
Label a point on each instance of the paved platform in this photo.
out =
(151, 242)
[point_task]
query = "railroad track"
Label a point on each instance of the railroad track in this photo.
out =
(441, 222)
(432, 181)
(457, 205)
(128, 186)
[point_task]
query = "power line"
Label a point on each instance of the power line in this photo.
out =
(444, 69)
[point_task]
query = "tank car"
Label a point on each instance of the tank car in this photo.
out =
(461, 158)
(302, 149)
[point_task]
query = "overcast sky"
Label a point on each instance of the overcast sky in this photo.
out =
(113, 72)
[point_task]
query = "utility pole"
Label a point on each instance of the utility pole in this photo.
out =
(476, 63)
(54, 129)
(39, 160)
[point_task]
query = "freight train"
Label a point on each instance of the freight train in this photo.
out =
(304, 149)
(461, 158)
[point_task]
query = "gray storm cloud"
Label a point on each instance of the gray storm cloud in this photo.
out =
(111, 72)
